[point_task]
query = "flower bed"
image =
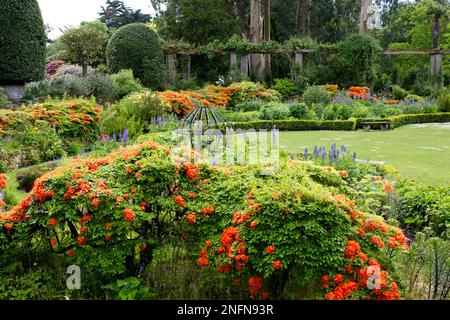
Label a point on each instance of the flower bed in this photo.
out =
(109, 214)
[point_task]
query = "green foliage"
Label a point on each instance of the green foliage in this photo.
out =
(134, 113)
(301, 111)
(358, 54)
(299, 125)
(22, 46)
(399, 93)
(125, 83)
(130, 289)
(116, 14)
(316, 95)
(425, 268)
(248, 106)
(136, 47)
(401, 120)
(25, 178)
(425, 207)
(444, 102)
(99, 86)
(85, 45)
(4, 102)
(239, 116)
(275, 111)
(286, 88)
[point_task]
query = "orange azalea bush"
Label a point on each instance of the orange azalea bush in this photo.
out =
(182, 102)
(75, 118)
(359, 92)
(109, 214)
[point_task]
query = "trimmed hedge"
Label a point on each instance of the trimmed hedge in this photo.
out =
(299, 125)
(343, 125)
(136, 47)
(22, 42)
(402, 120)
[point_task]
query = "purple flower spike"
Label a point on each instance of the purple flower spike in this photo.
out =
(114, 137)
(125, 136)
(108, 139)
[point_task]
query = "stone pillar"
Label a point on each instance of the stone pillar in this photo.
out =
(233, 60)
(244, 64)
(436, 63)
(172, 68)
(299, 59)
(186, 67)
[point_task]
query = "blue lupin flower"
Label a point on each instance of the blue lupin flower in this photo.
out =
(108, 139)
(305, 154)
(114, 137)
(125, 136)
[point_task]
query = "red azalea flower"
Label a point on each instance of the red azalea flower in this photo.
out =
(53, 222)
(191, 218)
(180, 201)
(81, 241)
(277, 265)
(128, 215)
(270, 249)
(96, 202)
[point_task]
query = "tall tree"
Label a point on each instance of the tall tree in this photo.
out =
(267, 34)
(303, 15)
(115, 14)
(85, 45)
(256, 30)
(364, 15)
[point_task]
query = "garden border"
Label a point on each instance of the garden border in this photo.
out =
(342, 125)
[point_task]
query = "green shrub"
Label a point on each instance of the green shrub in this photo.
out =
(286, 88)
(74, 147)
(40, 144)
(125, 83)
(299, 125)
(414, 98)
(239, 116)
(26, 177)
(274, 111)
(402, 120)
(248, 106)
(423, 206)
(399, 93)
(100, 86)
(136, 47)
(134, 113)
(4, 102)
(54, 88)
(316, 95)
(23, 41)
(358, 54)
(301, 111)
(444, 102)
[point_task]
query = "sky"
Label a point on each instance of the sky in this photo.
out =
(61, 13)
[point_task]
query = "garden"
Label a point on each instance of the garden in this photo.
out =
(92, 175)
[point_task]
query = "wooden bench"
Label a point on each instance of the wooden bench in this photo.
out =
(383, 124)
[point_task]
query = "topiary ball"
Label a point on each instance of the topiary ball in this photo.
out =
(136, 47)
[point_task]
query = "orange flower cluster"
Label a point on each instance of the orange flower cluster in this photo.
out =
(240, 218)
(388, 188)
(377, 240)
(206, 212)
(191, 218)
(192, 170)
(359, 92)
(128, 214)
(270, 249)
(2, 182)
(203, 260)
(331, 88)
(398, 240)
(179, 200)
(392, 102)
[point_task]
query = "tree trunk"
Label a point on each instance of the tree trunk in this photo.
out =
(85, 70)
(365, 4)
(436, 32)
(256, 37)
(267, 30)
(303, 18)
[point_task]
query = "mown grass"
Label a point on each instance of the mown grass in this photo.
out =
(417, 151)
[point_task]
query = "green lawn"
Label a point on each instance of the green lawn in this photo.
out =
(418, 151)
